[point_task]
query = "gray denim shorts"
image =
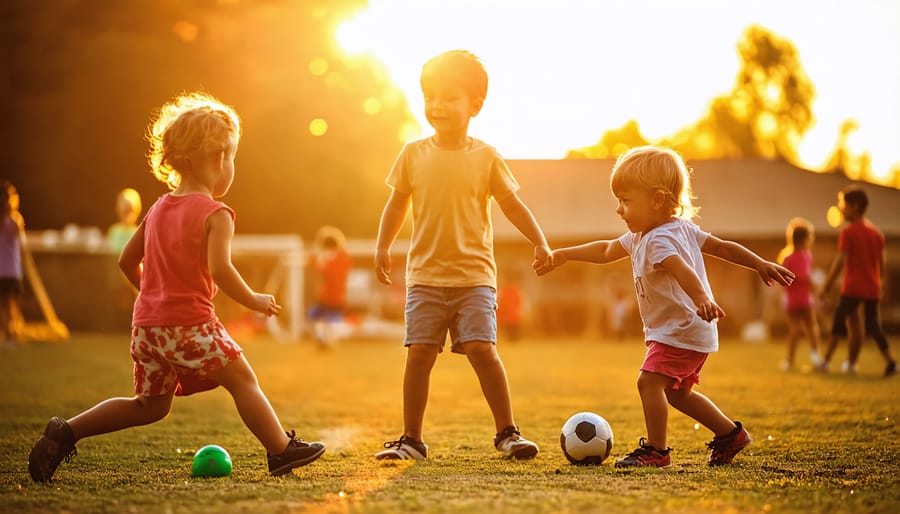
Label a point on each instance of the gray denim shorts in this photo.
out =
(468, 313)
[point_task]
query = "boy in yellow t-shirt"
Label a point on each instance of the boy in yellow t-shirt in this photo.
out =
(448, 180)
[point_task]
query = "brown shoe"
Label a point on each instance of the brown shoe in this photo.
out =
(57, 443)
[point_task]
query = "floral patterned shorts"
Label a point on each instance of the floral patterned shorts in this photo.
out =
(180, 357)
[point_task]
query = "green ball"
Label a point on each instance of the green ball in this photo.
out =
(211, 461)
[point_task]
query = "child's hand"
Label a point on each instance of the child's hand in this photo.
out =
(553, 261)
(265, 303)
(383, 266)
(770, 271)
(541, 256)
(709, 310)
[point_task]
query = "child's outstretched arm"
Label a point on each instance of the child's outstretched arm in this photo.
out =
(687, 278)
(220, 231)
(391, 220)
(740, 255)
(521, 217)
(597, 252)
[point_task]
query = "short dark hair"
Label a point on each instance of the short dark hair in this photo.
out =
(799, 236)
(855, 195)
(460, 66)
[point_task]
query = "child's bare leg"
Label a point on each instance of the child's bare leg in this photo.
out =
(700, 408)
(652, 388)
(120, 413)
(420, 359)
(811, 328)
(254, 408)
(793, 336)
(5, 318)
(486, 361)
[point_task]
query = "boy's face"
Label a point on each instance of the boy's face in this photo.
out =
(850, 211)
(448, 108)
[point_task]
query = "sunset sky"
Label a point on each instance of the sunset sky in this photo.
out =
(563, 72)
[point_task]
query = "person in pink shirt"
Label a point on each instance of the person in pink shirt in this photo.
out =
(799, 300)
(178, 258)
(861, 259)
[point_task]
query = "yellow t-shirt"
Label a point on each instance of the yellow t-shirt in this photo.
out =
(452, 239)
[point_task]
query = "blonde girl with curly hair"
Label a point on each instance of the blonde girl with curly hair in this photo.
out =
(178, 258)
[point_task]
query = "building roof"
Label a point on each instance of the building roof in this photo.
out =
(738, 198)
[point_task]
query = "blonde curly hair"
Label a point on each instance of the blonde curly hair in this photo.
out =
(655, 168)
(186, 128)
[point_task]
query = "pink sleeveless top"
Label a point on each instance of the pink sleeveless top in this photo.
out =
(176, 286)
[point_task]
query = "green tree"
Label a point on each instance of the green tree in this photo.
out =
(613, 143)
(765, 114)
(769, 108)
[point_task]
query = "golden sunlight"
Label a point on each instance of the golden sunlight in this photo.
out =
(563, 74)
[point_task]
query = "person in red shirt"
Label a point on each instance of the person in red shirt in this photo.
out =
(332, 265)
(178, 258)
(861, 258)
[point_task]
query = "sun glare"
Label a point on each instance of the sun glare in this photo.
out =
(561, 76)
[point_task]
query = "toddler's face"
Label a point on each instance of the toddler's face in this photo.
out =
(448, 107)
(637, 208)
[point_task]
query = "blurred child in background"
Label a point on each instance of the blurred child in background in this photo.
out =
(861, 258)
(652, 187)
(12, 239)
(449, 179)
(511, 306)
(332, 265)
(799, 300)
(178, 258)
(128, 210)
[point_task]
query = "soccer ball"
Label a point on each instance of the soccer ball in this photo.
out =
(211, 461)
(586, 439)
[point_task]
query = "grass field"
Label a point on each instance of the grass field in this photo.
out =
(823, 443)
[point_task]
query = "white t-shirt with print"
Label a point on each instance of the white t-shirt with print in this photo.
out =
(668, 313)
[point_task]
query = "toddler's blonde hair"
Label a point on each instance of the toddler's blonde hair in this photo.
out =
(191, 126)
(654, 168)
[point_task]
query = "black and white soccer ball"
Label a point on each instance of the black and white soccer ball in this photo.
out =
(586, 439)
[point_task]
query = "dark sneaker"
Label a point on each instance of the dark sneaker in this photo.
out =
(725, 447)
(57, 443)
(646, 456)
(298, 453)
(403, 448)
(891, 369)
(513, 446)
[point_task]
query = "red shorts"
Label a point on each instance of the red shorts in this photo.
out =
(180, 358)
(682, 365)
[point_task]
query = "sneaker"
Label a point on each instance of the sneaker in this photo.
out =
(890, 369)
(513, 446)
(815, 358)
(298, 453)
(822, 367)
(57, 444)
(646, 456)
(403, 448)
(848, 368)
(725, 447)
